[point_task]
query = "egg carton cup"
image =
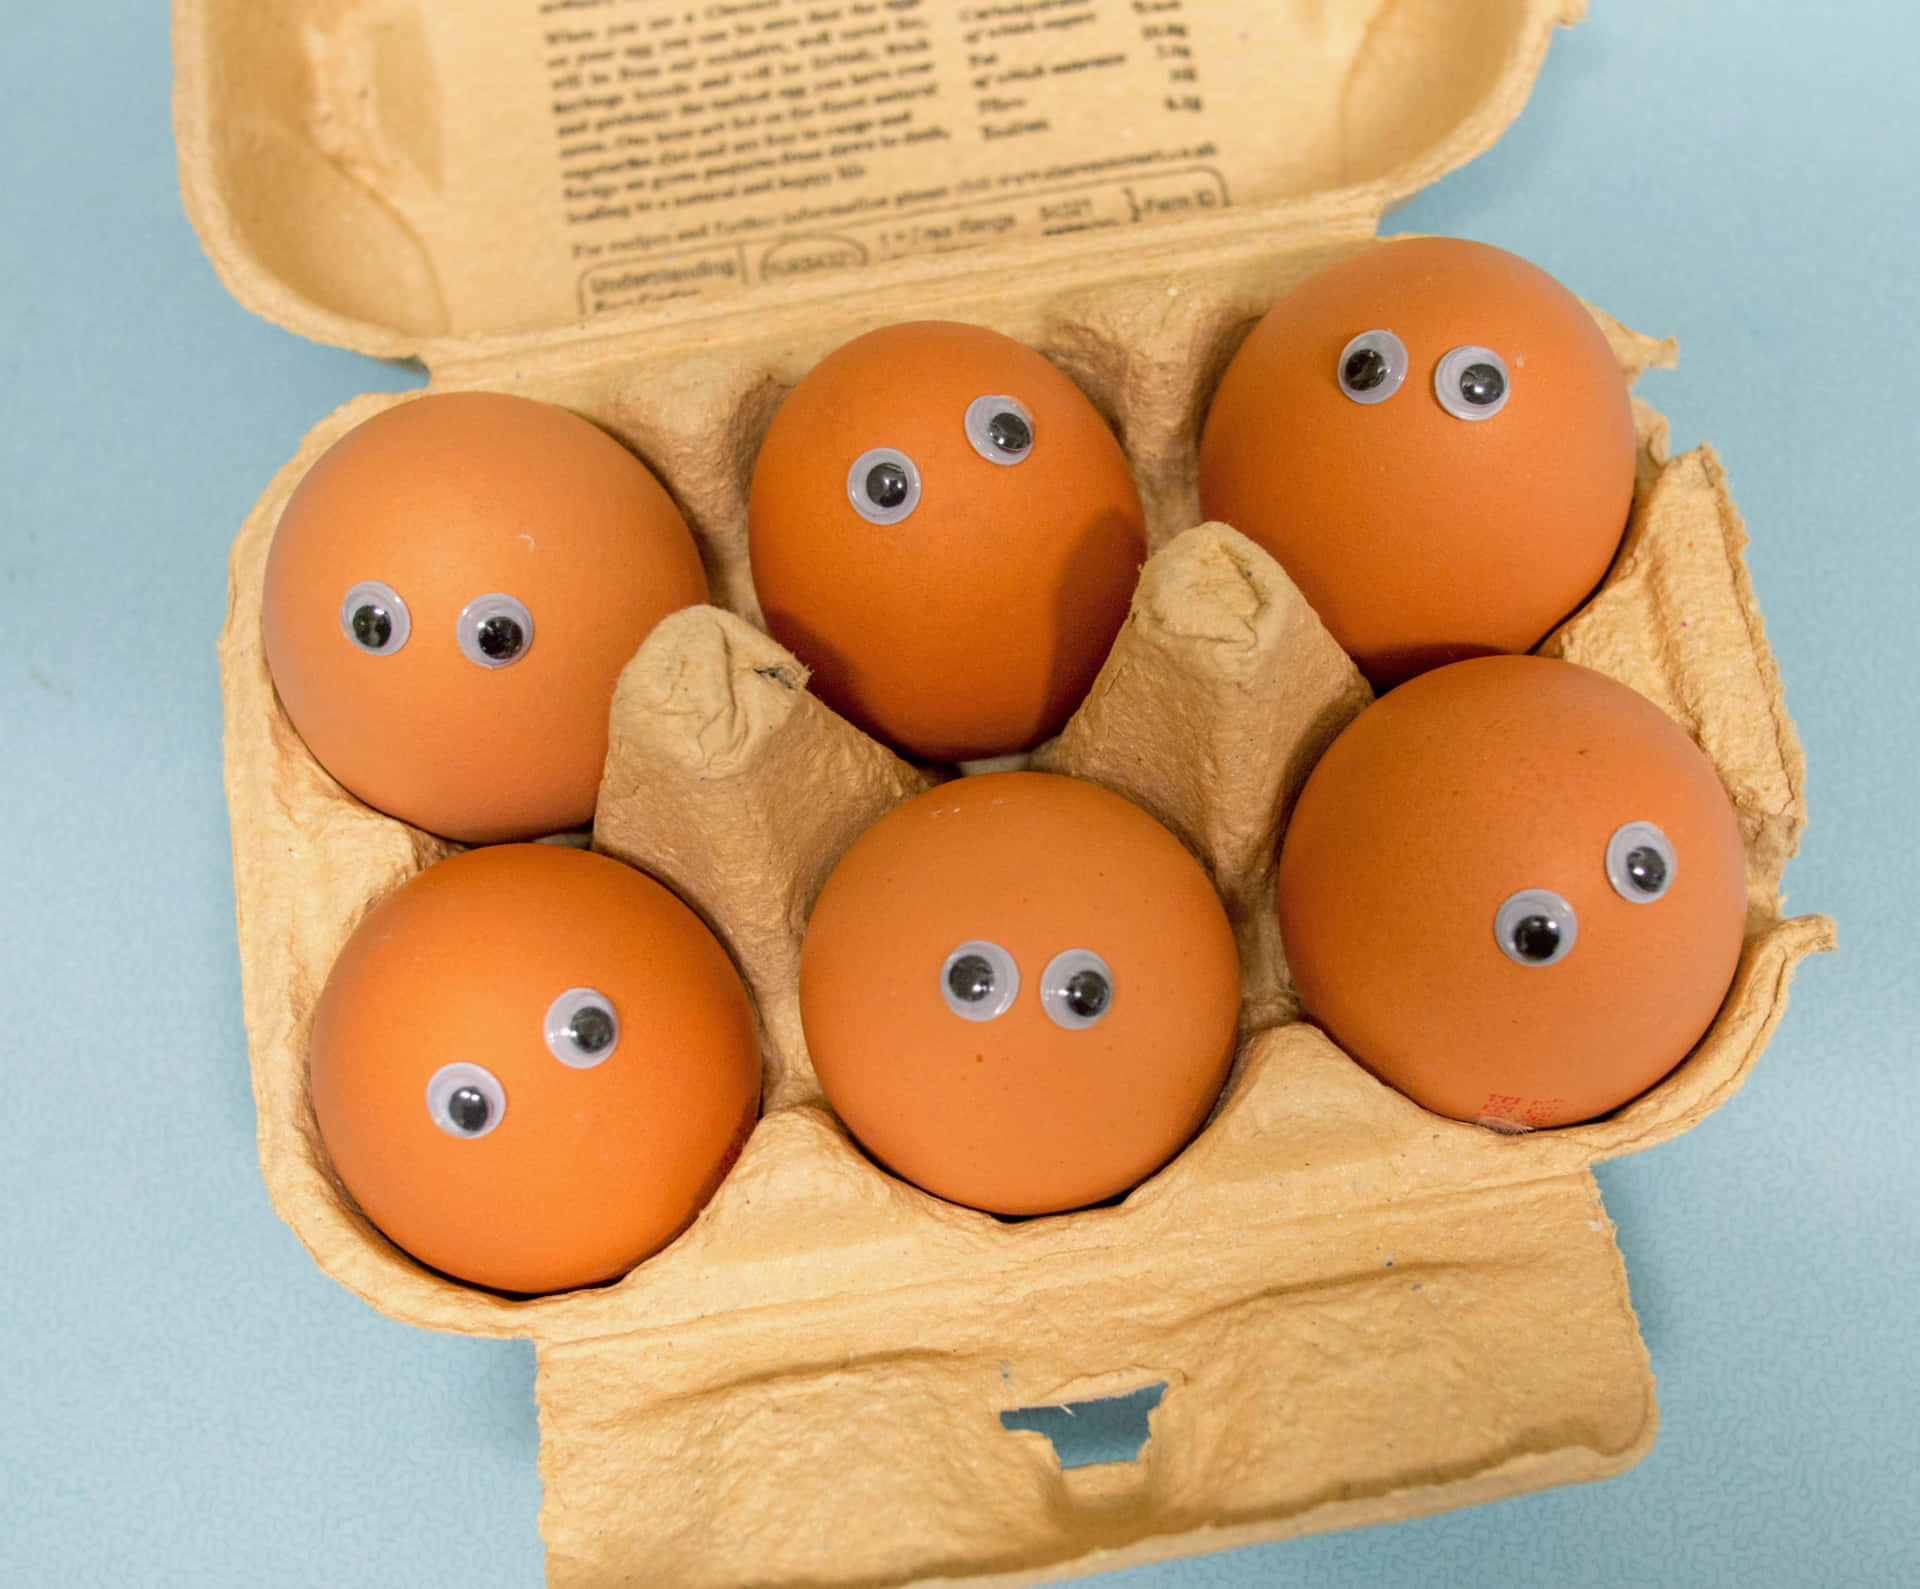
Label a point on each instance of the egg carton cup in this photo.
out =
(1360, 1311)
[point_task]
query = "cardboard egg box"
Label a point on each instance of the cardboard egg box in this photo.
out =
(660, 218)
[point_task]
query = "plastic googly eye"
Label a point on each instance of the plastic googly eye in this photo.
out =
(1535, 927)
(883, 485)
(582, 1028)
(375, 619)
(979, 980)
(999, 429)
(465, 1101)
(495, 630)
(1372, 366)
(1471, 383)
(1640, 862)
(1076, 989)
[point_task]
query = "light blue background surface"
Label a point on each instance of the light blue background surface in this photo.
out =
(184, 1399)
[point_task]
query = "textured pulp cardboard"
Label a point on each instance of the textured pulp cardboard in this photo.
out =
(661, 217)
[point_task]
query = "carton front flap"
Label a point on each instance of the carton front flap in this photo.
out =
(395, 176)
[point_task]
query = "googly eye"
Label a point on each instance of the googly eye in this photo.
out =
(465, 1101)
(1372, 366)
(582, 1028)
(494, 631)
(1640, 862)
(979, 980)
(883, 485)
(1535, 927)
(1076, 989)
(375, 619)
(1000, 429)
(1471, 383)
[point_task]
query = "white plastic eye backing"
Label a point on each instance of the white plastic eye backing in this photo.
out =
(1640, 862)
(375, 619)
(883, 485)
(1076, 989)
(582, 1028)
(1000, 429)
(465, 1101)
(1372, 366)
(1535, 927)
(494, 631)
(979, 980)
(1471, 383)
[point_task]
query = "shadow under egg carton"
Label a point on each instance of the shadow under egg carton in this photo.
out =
(1360, 1310)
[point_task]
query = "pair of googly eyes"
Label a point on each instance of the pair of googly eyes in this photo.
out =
(884, 483)
(1470, 382)
(980, 981)
(467, 1100)
(1536, 927)
(492, 631)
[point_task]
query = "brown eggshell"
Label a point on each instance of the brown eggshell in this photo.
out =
(586, 1170)
(1019, 1114)
(1418, 537)
(973, 626)
(444, 499)
(1451, 794)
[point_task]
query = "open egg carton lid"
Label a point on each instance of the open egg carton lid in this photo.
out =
(1359, 1311)
(434, 181)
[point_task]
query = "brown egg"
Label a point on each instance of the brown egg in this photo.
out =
(532, 1065)
(1515, 890)
(450, 596)
(945, 531)
(1020, 992)
(1433, 438)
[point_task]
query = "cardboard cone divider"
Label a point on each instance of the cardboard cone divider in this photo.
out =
(1360, 1311)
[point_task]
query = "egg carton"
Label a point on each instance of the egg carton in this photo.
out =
(1359, 1311)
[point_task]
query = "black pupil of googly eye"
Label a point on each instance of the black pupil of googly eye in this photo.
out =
(886, 485)
(1009, 432)
(1087, 993)
(1365, 369)
(1536, 937)
(468, 1109)
(591, 1029)
(372, 627)
(1646, 869)
(501, 637)
(1481, 384)
(971, 978)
